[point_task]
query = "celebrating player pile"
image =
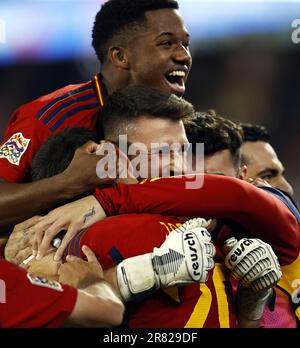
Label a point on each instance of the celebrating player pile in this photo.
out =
(174, 257)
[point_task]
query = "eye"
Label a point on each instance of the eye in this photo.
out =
(166, 43)
(268, 176)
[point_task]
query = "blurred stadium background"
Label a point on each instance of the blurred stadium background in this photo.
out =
(245, 63)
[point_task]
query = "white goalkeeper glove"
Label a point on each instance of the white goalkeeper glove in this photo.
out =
(256, 266)
(185, 257)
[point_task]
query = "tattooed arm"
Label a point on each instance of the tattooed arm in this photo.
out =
(73, 217)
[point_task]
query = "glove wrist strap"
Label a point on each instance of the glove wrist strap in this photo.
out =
(136, 278)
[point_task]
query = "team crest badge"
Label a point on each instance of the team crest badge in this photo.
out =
(14, 148)
(39, 281)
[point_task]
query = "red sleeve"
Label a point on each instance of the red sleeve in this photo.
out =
(32, 302)
(260, 213)
(22, 139)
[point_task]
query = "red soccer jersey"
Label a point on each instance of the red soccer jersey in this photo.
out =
(259, 213)
(31, 302)
(33, 123)
(205, 305)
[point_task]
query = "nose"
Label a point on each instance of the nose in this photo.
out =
(285, 186)
(182, 55)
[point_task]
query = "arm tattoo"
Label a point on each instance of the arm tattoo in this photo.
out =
(90, 213)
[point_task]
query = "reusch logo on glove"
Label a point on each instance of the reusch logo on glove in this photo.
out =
(193, 266)
(239, 251)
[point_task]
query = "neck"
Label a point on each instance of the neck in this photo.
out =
(114, 78)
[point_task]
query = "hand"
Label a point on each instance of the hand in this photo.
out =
(254, 264)
(73, 217)
(185, 257)
(191, 251)
(18, 247)
(81, 175)
(45, 268)
(258, 182)
(81, 274)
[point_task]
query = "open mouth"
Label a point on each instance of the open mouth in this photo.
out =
(176, 81)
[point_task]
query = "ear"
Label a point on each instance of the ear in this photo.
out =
(118, 57)
(243, 172)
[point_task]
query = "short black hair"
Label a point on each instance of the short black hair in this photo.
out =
(254, 132)
(117, 20)
(217, 133)
(124, 106)
(55, 155)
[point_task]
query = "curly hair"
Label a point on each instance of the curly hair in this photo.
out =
(254, 132)
(217, 133)
(117, 20)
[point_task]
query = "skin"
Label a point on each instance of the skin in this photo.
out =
(146, 60)
(222, 163)
(97, 304)
(161, 47)
(146, 130)
(154, 133)
(263, 163)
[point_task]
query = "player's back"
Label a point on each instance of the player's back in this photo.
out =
(195, 305)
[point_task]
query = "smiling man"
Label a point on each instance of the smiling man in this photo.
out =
(136, 42)
(261, 158)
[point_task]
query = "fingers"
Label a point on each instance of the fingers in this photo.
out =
(72, 231)
(72, 258)
(91, 257)
(48, 236)
(89, 147)
(23, 255)
(38, 231)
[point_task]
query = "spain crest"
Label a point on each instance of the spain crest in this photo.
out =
(14, 148)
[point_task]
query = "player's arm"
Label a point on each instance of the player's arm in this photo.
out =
(187, 251)
(46, 193)
(260, 213)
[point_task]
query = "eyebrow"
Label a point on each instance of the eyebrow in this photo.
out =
(166, 33)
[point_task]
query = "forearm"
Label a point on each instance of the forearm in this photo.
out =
(258, 212)
(110, 275)
(97, 306)
(19, 202)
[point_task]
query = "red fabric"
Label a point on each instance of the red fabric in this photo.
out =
(31, 122)
(259, 213)
(136, 234)
(32, 306)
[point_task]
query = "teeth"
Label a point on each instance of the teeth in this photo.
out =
(177, 73)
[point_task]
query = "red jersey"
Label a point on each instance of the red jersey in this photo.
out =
(31, 125)
(261, 214)
(207, 305)
(27, 301)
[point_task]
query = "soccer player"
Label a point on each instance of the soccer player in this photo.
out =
(263, 163)
(148, 117)
(261, 159)
(222, 141)
(111, 240)
(30, 301)
(136, 42)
